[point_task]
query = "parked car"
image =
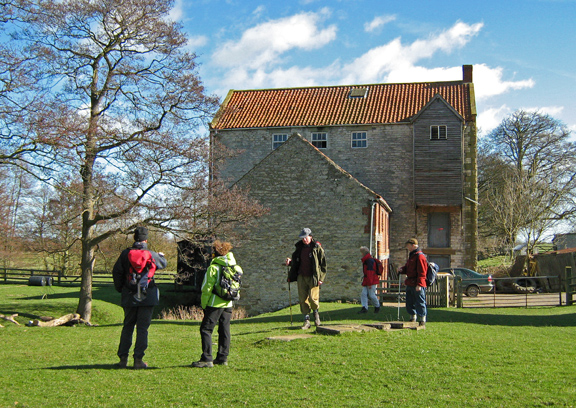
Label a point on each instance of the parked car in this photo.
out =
(473, 282)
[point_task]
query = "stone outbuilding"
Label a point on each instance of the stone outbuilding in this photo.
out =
(302, 187)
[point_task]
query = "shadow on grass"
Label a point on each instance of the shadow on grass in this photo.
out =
(93, 367)
(493, 319)
(552, 316)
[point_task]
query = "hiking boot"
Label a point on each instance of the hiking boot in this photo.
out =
(138, 364)
(363, 310)
(317, 318)
(376, 309)
(220, 362)
(203, 364)
(306, 325)
(123, 363)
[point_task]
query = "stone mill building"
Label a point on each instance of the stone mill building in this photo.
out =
(360, 165)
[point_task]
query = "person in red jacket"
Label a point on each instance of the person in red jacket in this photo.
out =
(415, 271)
(369, 281)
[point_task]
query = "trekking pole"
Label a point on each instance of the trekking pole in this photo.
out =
(290, 297)
(399, 280)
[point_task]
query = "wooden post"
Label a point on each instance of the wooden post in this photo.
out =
(458, 280)
(568, 277)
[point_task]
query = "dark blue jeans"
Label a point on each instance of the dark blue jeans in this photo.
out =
(213, 315)
(416, 301)
(141, 317)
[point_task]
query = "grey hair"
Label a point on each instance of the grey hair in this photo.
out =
(364, 250)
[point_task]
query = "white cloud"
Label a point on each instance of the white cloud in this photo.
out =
(378, 22)
(264, 44)
(488, 82)
(177, 11)
(392, 62)
(256, 61)
(490, 118)
(197, 42)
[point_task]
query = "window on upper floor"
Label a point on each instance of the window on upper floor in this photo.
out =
(277, 140)
(438, 132)
(320, 140)
(359, 139)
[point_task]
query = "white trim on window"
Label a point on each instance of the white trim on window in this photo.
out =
(438, 132)
(319, 139)
(359, 140)
(278, 139)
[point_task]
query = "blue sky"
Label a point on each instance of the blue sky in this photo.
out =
(523, 52)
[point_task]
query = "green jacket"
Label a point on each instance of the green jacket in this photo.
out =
(212, 277)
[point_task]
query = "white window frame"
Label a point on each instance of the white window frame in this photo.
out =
(278, 139)
(314, 138)
(359, 140)
(438, 132)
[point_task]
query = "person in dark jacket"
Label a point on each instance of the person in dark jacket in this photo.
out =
(138, 299)
(369, 281)
(415, 271)
(308, 269)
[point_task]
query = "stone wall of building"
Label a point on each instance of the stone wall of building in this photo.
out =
(302, 188)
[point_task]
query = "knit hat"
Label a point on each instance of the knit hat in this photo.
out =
(304, 233)
(141, 234)
(412, 241)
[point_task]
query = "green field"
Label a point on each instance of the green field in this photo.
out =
(464, 358)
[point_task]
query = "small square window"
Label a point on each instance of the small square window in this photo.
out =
(359, 139)
(320, 140)
(277, 140)
(438, 133)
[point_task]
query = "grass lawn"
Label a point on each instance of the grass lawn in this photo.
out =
(464, 358)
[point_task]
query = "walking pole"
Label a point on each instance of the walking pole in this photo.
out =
(399, 280)
(290, 297)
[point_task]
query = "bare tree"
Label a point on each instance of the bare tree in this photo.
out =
(527, 177)
(122, 117)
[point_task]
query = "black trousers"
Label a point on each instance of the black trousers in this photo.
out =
(213, 315)
(141, 317)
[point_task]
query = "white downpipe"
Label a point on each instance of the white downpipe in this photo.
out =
(372, 226)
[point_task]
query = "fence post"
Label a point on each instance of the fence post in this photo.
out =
(560, 289)
(568, 277)
(458, 285)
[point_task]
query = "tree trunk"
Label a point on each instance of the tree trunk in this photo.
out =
(87, 264)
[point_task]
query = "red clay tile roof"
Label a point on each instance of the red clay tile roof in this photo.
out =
(331, 105)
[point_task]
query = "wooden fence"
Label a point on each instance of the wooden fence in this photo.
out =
(441, 294)
(54, 277)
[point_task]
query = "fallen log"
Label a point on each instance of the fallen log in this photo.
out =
(10, 318)
(57, 322)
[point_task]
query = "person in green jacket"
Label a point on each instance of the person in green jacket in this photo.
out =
(216, 310)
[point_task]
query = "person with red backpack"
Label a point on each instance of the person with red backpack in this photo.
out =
(369, 281)
(415, 270)
(133, 275)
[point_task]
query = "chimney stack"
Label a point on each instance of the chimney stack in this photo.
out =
(467, 73)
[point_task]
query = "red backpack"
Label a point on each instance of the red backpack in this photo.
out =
(378, 266)
(141, 262)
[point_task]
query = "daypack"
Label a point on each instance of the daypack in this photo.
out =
(141, 263)
(431, 272)
(378, 266)
(228, 286)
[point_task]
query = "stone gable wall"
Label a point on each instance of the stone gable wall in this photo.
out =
(302, 189)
